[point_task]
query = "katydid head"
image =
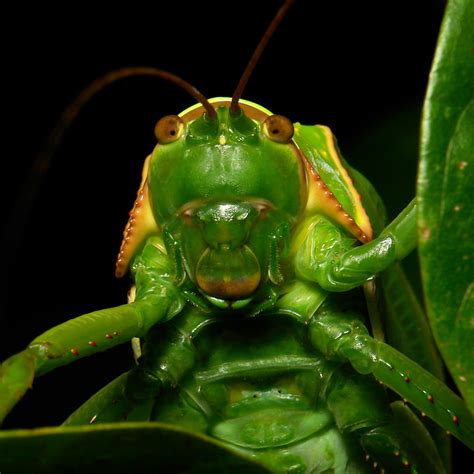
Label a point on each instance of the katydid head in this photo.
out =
(222, 189)
(224, 180)
(225, 184)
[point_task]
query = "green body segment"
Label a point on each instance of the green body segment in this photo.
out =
(273, 393)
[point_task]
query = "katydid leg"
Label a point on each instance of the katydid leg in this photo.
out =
(343, 337)
(360, 408)
(157, 299)
(111, 405)
(398, 448)
(74, 339)
(328, 255)
(107, 405)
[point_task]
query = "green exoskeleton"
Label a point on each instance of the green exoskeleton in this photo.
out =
(250, 246)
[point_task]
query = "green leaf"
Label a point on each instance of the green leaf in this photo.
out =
(446, 190)
(118, 447)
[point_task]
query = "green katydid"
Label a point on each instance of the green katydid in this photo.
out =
(243, 228)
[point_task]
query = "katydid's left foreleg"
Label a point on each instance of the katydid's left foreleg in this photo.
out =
(343, 337)
(328, 255)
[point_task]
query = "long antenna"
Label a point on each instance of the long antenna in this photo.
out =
(26, 198)
(234, 106)
(42, 161)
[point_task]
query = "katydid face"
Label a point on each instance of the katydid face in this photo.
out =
(223, 189)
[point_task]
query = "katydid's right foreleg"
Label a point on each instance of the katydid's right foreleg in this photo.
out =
(79, 337)
(157, 300)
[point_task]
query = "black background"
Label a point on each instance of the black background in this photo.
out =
(345, 64)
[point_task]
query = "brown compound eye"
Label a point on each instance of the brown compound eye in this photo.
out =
(278, 128)
(168, 129)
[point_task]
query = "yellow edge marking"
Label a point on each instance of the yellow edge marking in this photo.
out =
(226, 100)
(361, 216)
(140, 224)
(321, 199)
(253, 111)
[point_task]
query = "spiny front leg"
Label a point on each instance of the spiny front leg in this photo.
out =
(80, 337)
(343, 337)
(157, 300)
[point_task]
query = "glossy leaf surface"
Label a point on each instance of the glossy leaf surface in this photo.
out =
(445, 190)
(119, 447)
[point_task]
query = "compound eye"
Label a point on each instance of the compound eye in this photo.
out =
(278, 128)
(169, 129)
